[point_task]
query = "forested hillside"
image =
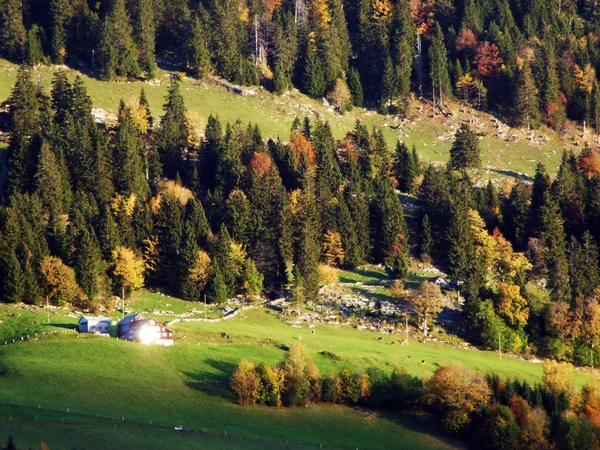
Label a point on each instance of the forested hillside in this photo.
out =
(530, 61)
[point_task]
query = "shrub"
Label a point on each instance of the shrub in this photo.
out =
(456, 393)
(245, 383)
(272, 380)
(302, 382)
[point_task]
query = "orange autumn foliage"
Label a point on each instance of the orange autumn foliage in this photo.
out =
(488, 59)
(587, 162)
(260, 164)
(302, 147)
(465, 39)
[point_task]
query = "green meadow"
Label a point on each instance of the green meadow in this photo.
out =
(121, 393)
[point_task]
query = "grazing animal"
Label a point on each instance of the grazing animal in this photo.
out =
(394, 342)
(380, 339)
(423, 361)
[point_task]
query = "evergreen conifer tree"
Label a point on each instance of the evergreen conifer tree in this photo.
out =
(173, 134)
(465, 150)
(34, 49)
(355, 87)
(217, 288)
(438, 60)
(314, 77)
(199, 54)
(526, 99)
(14, 280)
(553, 237)
(145, 36)
(117, 52)
(88, 264)
(13, 35)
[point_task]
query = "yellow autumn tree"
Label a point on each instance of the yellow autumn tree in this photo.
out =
(502, 262)
(129, 268)
(512, 305)
(464, 86)
(333, 250)
(584, 77)
(201, 268)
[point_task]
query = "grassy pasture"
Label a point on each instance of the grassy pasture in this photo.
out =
(187, 385)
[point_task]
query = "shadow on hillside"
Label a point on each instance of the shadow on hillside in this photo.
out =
(69, 326)
(510, 173)
(365, 273)
(212, 383)
(423, 423)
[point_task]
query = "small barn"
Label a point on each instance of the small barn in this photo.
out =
(149, 331)
(125, 323)
(94, 324)
(439, 281)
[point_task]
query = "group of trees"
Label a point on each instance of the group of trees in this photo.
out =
(533, 62)
(526, 254)
(89, 210)
(488, 411)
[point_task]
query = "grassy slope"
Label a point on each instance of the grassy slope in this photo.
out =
(186, 385)
(274, 115)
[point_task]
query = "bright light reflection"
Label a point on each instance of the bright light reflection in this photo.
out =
(147, 335)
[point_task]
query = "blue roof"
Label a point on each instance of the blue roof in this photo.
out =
(130, 318)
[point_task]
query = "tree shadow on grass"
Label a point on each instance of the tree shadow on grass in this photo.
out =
(370, 273)
(215, 384)
(68, 326)
(423, 423)
(510, 173)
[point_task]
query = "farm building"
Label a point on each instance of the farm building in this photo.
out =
(94, 324)
(440, 281)
(125, 323)
(149, 331)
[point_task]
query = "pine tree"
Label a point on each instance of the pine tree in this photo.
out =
(217, 289)
(515, 215)
(224, 259)
(88, 264)
(117, 52)
(595, 107)
(388, 83)
(199, 55)
(24, 122)
(539, 199)
(13, 35)
(355, 87)
(61, 12)
(465, 150)
(440, 80)
(307, 251)
(50, 184)
(14, 280)
(168, 229)
(403, 38)
(34, 50)
(285, 49)
(173, 134)
(583, 263)
(553, 237)
(426, 239)
(314, 77)
(196, 218)
(129, 158)
(526, 98)
(405, 167)
(145, 36)
(228, 35)
(461, 245)
(33, 290)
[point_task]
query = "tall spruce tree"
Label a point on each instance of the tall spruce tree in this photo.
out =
(583, 263)
(129, 156)
(527, 109)
(199, 56)
(173, 135)
(145, 36)
(438, 69)
(13, 35)
(554, 240)
(89, 267)
(314, 82)
(117, 52)
(465, 151)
